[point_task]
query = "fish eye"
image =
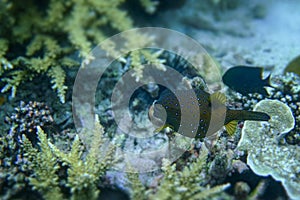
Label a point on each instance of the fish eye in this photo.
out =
(157, 114)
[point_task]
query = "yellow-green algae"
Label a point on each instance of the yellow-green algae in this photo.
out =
(44, 38)
(177, 185)
(82, 174)
(266, 154)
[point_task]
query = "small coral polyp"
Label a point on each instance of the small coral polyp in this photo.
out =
(27, 117)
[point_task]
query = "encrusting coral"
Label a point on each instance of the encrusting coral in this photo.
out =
(268, 156)
(46, 39)
(285, 88)
(274, 149)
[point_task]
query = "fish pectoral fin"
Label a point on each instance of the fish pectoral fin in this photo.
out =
(231, 127)
(159, 129)
(219, 97)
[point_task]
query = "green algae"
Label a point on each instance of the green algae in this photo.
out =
(82, 174)
(185, 184)
(45, 39)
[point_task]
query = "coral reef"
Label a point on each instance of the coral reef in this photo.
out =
(82, 175)
(278, 142)
(27, 118)
(46, 39)
(137, 59)
(41, 156)
(285, 88)
(24, 121)
(12, 177)
(185, 184)
(44, 167)
(53, 173)
(268, 156)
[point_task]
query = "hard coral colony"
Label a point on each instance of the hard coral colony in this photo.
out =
(42, 159)
(277, 153)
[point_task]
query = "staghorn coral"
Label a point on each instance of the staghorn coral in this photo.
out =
(268, 156)
(82, 175)
(185, 184)
(44, 38)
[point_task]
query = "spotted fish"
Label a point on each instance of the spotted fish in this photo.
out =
(166, 112)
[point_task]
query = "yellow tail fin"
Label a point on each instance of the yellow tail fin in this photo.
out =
(231, 127)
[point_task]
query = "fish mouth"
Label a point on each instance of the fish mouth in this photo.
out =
(157, 115)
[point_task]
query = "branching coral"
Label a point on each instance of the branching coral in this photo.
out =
(140, 56)
(42, 38)
(82, 174)
(44, 165)
(185, 184)
(138, 191)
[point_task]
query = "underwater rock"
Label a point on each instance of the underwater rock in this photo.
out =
(241, 190)
(221, 166)
(266, 156)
